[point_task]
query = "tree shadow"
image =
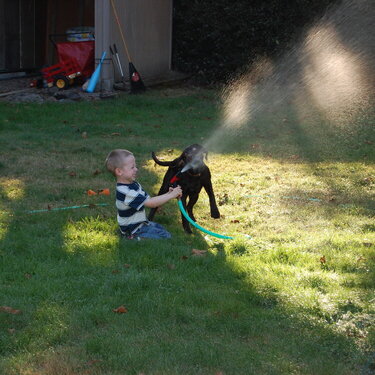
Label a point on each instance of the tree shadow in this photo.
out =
(66, 275)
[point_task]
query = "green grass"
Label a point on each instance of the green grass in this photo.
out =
(271, 304)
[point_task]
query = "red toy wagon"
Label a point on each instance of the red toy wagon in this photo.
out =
(76, 61)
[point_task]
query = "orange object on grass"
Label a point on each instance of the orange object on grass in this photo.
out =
(104, 192)
(91, 192)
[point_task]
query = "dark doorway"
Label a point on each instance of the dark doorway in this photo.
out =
(26, 26)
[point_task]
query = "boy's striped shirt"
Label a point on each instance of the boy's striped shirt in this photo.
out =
(130, 200)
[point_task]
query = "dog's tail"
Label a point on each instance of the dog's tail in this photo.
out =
(163, 163)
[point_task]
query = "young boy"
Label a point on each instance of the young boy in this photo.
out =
(131, 199)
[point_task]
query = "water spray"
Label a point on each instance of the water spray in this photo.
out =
(186, 168)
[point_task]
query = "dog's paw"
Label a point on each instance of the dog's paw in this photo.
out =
(215, 214)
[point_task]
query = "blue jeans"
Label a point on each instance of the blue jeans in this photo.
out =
(152, 230)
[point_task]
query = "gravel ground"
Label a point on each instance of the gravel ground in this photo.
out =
(20, 91)
(13, 84)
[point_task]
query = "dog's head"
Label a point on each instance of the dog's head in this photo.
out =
(192, 158)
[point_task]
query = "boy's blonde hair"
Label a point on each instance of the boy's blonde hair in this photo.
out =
(116, 159)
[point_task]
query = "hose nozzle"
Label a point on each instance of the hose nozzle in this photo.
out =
(174, 179)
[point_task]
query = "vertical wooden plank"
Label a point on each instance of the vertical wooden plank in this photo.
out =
(2, 36)
(52, 12)
(12, 40)
(27, 34)
(89, 14)
(41, 25)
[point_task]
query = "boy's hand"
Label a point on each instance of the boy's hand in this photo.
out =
(176, 192)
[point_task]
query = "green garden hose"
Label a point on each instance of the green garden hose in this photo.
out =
(68, 208)
(192, 222)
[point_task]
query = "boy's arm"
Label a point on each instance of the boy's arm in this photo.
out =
(159, 200)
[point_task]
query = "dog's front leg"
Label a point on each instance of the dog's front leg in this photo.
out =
(189, 208)
(211, 196)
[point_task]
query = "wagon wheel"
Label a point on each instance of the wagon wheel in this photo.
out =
(61, 82)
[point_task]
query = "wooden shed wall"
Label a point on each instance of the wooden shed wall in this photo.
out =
(147, 28)
(25, 27)
(18, 35)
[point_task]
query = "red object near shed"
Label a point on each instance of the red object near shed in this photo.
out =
(76, 59)
(82, 52)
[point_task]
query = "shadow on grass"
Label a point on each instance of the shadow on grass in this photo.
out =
(351, 144)
(186, 314)
(282, 135)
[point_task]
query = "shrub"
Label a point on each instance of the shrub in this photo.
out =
(217, 38)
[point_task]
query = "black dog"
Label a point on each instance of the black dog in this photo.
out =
(191, 179)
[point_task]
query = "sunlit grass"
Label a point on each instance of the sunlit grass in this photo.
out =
(12, 189)
(296, 297)
(92, 238)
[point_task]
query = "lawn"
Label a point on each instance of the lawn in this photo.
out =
(295, 298)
